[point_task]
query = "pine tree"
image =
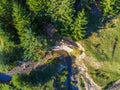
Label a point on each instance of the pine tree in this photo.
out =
(110, 7)
(57, 12)
(116, 7)
(7, 55)
(78, 26)
(106, 5)
(31, 44)
(5, 10)
(6, 19)
(5, 43)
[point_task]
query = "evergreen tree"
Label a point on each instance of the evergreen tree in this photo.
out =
(7, 55)
(5, 43)
(110, 7)
(5, 10)
(57, 12)
(78, 26)
(106, 5)
(31, 44)
(116, 7)
(6, 18)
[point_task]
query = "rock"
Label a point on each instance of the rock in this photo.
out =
(48, 56)
(18, 63)
(73, 79)
(63, 48)
(49, 29)
(82, 56)
(89, 83)
(82, 71)
(115, 86)
(24, 68)
(80, 47)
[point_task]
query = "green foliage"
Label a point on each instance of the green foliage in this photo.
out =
(5, 43)
(106, 74)
(6, 50)
(82, 84)
(110, 7)
(5, 87)
(60, 80)
(78, 27)
(32, 45)
(59, 13)
(117, 6)
(101, 47)
(17, 81)
(21, 20)
(22, 36)
(106, 5)
(37, 80)
(5, 10)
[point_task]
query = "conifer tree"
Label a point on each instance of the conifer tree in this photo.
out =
(6, 50)
(106, 5)
(57, 12)
(5, 10)
(116, 6)
(5, 43)
(78, 26)
(31, 44)
(110, 7)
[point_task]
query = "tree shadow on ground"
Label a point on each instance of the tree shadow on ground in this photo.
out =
(41, 75)
(109, 85)
(45, 76)
(9, 57)
(96, 20)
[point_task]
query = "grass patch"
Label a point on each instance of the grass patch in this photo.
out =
(110, 71)
(104, 47)
(105, 44)
(75, 52)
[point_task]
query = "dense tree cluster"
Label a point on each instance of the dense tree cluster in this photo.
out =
(21, 22)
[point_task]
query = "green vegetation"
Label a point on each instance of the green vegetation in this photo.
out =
(110, 7)
(43, 79)
(108, 73)
(82, 84)
(61, 79)
(24, 36)
(103, 47)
